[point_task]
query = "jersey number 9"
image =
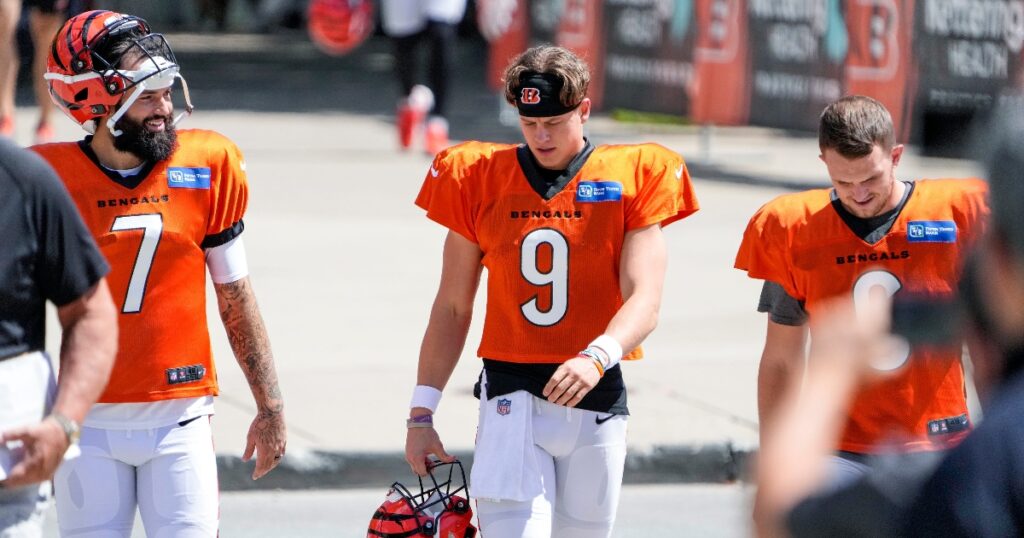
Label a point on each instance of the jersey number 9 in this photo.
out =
(556, 278)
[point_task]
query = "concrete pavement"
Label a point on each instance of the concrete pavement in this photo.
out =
(653, 511)
(346, 267)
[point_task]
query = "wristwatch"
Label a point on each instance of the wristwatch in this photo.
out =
(70, 427)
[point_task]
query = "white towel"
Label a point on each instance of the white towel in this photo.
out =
(27, 389)
(505, 464)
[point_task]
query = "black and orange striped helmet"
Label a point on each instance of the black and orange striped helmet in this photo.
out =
(440, 509)
(84, 70)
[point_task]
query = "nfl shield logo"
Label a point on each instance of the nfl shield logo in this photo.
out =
(504, 406)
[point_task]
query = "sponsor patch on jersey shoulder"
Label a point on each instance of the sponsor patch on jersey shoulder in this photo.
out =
(188, 178)
(931, 231)
(599, 191)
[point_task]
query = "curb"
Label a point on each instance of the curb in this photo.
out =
(713, 463)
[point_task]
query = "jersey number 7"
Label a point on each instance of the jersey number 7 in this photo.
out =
(152, 226)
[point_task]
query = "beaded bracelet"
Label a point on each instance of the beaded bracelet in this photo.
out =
(587, 354)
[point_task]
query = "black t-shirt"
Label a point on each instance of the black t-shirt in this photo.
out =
(46, 252)
(978, 491)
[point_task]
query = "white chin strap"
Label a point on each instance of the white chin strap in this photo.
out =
(156, 73)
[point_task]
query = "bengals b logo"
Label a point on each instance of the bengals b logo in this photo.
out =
(530, 96)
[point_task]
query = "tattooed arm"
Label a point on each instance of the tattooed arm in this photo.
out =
(249, 341)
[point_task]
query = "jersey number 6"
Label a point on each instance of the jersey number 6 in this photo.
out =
(557, 277)
(152, 225)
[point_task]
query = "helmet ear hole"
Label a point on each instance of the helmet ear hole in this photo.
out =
(81, 62)
(115, 85)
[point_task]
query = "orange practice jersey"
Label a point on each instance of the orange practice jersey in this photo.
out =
(552, 265)
(800, 242)
(153, 236)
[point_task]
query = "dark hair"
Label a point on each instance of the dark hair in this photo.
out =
(558, 61)
(853, 125)
(111, 49)
(119, 50)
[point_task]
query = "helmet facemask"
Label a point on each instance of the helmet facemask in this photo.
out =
(155, 69)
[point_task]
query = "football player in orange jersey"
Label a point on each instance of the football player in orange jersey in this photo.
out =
(869, 234)
(164, 206)
(570, 234)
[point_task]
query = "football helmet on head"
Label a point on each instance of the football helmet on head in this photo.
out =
(98, 57)
(338, 26)
(441, 508)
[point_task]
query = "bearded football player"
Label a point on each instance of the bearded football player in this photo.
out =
(165, 206)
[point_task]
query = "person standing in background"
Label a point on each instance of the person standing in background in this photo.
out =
(44, 19)
(407, 23)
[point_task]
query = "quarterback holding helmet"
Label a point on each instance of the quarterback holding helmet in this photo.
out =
(162, 204)
(571, 236)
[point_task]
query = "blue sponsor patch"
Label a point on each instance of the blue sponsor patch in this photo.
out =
(931, 231)
(599, 191)
(188, 178)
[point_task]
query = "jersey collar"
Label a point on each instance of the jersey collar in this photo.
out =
(129, 182)
(540, 179)
(871, 230)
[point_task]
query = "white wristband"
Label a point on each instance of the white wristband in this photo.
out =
(610, 347)
(425, 396)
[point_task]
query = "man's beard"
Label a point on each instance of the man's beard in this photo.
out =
(149, 146)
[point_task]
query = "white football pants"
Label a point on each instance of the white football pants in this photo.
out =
(170, 473)
(581, 464)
